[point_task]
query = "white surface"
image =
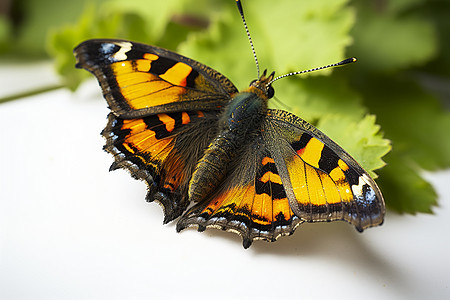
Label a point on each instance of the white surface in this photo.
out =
(21, 77)
(69, 229)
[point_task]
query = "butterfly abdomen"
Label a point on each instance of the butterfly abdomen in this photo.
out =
(237, 127)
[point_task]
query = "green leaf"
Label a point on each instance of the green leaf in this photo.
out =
(319, 96)
(96, 22)
(61, 42)
(113, 19)
(392, 37)
(419, 129)
(404, 188)
(39, 17)
(438, 12)
(157, 15)
(5, 34)
(414, 119)
(279, 47)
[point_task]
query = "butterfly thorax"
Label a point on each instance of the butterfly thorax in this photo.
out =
(239, 125)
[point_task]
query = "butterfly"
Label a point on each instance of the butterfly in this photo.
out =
(213, 156)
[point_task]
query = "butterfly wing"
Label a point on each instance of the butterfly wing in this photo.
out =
(162, 150)
(140, 80)
(321, 180)
(251, 201)
(160, 102)
(290, 173)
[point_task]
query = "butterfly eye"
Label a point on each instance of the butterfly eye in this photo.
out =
(270, 92)
(251, 83)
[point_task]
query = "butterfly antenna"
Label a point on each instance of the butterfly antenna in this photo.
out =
(241, 12)
(343, 62)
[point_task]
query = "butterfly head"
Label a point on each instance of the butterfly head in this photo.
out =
(264, 84)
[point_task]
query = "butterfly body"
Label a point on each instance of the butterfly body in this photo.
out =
(239, 125)
(186, 130)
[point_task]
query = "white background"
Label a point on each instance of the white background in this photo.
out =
(69, 229)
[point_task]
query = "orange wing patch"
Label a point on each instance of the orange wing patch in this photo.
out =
(142, 140)
(177, 74)
(142, 89)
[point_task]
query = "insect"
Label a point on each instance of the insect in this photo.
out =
(186, 130)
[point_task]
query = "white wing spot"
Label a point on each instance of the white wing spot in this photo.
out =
(358, 189)
(122, 53)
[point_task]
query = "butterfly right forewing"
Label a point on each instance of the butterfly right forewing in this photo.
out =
(321, 180)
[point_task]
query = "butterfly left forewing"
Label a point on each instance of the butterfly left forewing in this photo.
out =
(139, 80)
(321, 180)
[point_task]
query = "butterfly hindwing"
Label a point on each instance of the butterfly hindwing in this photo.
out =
(162, 150)
(322, 181)
(250, 201)
(139, 80)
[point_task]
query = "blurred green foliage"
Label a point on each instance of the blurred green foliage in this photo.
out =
(402, 76)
